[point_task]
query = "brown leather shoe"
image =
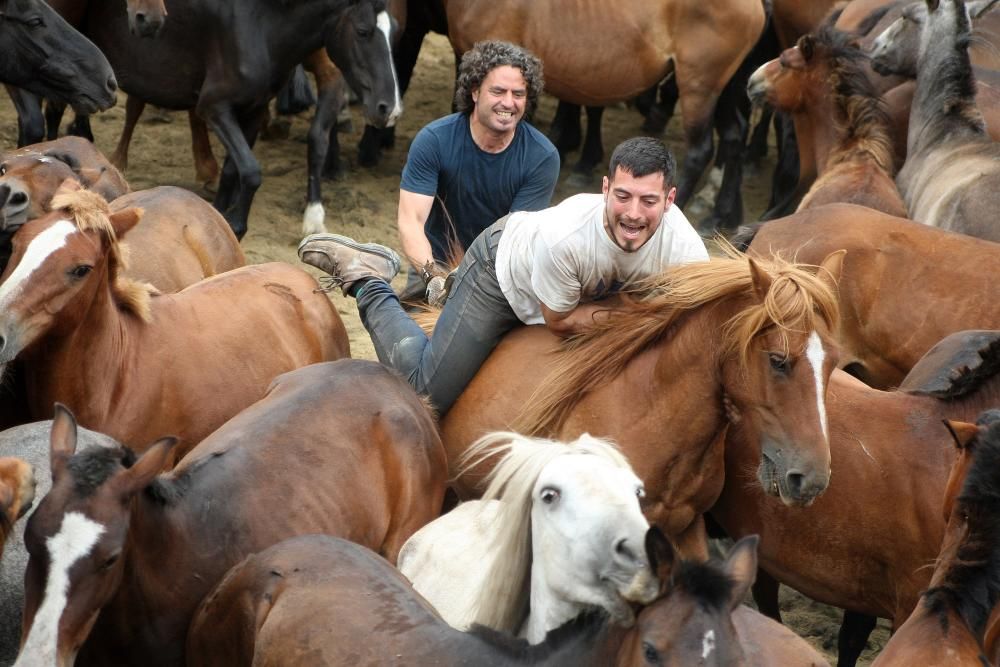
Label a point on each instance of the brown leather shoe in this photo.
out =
(348, 261)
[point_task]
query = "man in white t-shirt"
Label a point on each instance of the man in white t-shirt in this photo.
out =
(560, 266)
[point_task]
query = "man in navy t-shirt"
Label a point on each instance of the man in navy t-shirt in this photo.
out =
(467, 170)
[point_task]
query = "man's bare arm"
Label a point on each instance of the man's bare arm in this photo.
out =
(581, 318)
(414, 209)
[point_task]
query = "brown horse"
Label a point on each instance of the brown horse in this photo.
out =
(840, 123)
(597, 55)
(711, 339)
(322, 600)
(951, 176)
(949, 625)
(905, 286)
(131, 365)
(344, 448)
(17, 492)
(890, 458)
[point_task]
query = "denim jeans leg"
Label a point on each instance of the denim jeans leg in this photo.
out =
(474, 319)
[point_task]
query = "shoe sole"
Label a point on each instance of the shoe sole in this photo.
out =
(375, 249)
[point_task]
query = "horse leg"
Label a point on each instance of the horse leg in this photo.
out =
(133, 110)
(323, 152)
(757, 149)
(53, 118)
(663, 108)
(731, 114)
(206, 167)
(80, 127)
(244, 178)
(30, 121)
(785, 190)
(593, 150)
(565, 132)
(765, 594)
(853, 637)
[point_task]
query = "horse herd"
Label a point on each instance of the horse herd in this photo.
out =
(197, 472)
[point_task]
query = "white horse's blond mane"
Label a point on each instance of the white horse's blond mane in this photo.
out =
(502, 604)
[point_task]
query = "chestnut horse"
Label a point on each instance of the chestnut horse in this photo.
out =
(951, 176)
(710, 340)
(890, 458)
(319, 599)
(344, 448)
(596, 54)
(17, 492)
(905, 286)
(131, 365)
(840, 122)
(948, 627)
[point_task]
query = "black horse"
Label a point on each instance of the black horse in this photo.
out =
(227, 60)
(45, 55)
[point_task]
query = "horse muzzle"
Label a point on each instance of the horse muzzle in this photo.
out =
(795, 485)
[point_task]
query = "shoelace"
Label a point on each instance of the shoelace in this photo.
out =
(328, 283)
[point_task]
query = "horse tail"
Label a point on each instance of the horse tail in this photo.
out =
(199, 250)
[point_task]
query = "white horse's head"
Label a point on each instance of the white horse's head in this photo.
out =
(570, 525)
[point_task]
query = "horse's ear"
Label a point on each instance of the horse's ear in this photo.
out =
(979, 7)
(122, 221)
(831, 268)
(67, 186)
(146, 469)
(741, 568)
(62, 440)
(807, 46)
(761, 280)
(660, 554)
(962, 432)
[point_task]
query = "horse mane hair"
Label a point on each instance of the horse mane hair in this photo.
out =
(90, 211)
(93, 466)
(965, 380)
(797, 302)
(861, 116)
(502, 603)
(971, 584)
(588, 625)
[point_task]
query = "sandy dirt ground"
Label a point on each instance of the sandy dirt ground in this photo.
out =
(363, 206)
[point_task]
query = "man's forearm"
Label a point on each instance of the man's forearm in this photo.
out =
(583, 317)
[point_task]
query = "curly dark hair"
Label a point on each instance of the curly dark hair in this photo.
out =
(487, 56)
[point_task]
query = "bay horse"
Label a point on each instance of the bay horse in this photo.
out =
(97, 341)
(840, 122)
(709, 338)
(949, 625)
(319, 598)
(227, 62)
(890, 458)
(902, 289)
(951, 174)
(30, 443)
(17, 492)
(596, 54)
(558, 531)
(344, 448)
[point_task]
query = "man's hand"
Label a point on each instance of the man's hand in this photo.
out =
(581, 318)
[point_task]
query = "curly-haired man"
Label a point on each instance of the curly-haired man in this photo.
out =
(466, 170)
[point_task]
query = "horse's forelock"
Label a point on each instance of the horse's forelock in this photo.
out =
(92, 467)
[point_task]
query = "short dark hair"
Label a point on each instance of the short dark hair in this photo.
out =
(642, 156)
(483, 58)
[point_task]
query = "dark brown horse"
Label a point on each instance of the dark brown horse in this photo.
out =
(134, 365)
(712, 339)
(322, 600)
(344, 448)
(840, 122)
(949, 625)
(904, 287)
(890, 458)
(951, 176)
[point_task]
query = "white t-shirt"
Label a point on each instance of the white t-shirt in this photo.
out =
(562, 256)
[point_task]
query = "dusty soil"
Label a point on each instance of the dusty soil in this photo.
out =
(363, 206)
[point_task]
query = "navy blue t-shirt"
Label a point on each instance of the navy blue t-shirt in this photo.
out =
(477, 188)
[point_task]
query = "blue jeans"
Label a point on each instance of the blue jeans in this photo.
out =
(474, 319)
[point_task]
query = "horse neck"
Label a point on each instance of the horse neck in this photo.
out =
(861, 131)
(818, 136)
(547, 611)
(303, 25)
(944, 104)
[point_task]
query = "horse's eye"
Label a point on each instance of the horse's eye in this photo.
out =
(80, 271)
(365, 32)
(34, 22)
(650, 653)
(110, 560)
(549, 495)
(779, 363)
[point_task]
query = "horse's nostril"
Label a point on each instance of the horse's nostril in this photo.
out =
(795, 482)
(111, 83)
(18, 198)
(622, 549)
(383, 108)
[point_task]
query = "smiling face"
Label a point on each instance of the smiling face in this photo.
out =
(634, 207)
(500, 100)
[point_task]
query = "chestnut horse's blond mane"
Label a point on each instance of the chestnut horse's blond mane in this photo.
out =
(502, 603)
(797, 302)
(90, 211)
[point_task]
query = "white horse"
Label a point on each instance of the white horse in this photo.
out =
(559, 530)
